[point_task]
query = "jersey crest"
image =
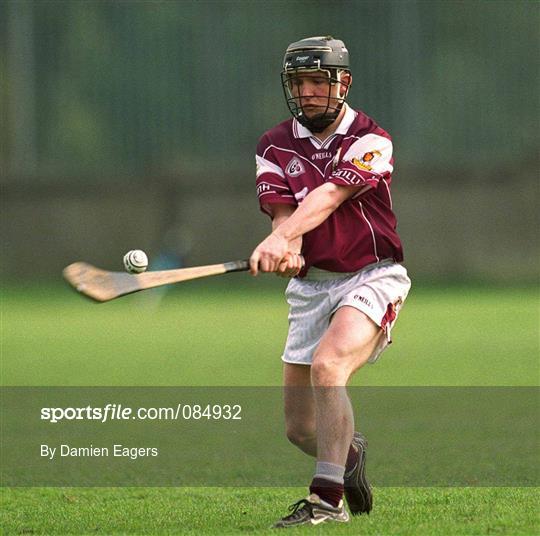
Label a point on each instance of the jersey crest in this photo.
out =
(366, 162)
(295, 168)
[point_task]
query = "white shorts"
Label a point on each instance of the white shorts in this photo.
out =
(378, 290)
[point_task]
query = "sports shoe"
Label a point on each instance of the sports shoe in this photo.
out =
(311, 511)
(357, 489)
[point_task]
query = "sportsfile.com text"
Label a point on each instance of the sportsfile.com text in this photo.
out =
(118, 412)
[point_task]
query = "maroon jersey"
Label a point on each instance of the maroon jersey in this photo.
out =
(291, 162)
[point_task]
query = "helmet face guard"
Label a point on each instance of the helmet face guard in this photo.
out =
(323, 55)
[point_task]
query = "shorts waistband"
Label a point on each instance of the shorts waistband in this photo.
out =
(317, 274)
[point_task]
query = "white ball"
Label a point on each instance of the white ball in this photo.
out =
(135, 261)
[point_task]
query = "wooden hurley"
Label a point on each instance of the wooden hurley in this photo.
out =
(101, 285)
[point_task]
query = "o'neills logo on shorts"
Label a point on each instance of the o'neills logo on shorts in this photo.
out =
(295, 168)
(363, 300)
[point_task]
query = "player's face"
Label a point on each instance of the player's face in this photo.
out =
(313, 92)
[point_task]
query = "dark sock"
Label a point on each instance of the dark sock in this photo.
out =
(352, 459)
(328, 491)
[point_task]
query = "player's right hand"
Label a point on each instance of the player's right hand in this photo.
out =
(290, 265)
(267, 256)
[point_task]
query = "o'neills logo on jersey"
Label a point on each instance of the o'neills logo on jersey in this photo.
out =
(321, 156)
(295, 168)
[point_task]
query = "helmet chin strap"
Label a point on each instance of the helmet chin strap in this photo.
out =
(317, 123)
(320, 122)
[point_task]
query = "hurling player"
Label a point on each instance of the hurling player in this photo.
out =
(324, 179)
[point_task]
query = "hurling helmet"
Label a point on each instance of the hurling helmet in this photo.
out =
(313, 54)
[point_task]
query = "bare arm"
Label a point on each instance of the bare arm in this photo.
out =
(280, 214)
(315, 208)
(292, 262)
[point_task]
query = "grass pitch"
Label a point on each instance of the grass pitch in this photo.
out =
(404, 511)
(230, 332)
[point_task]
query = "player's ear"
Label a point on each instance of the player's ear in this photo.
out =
(346, 79)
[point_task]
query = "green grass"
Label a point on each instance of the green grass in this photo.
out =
(403, 511)
(231, 332)
(215, 334)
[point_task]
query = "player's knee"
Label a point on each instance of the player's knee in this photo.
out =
(327, 371)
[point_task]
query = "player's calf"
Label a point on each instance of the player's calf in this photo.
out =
(304, 439)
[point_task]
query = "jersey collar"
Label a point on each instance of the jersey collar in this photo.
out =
(300, 131)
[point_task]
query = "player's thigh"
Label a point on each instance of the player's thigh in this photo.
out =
(350, 340)
(298, 396)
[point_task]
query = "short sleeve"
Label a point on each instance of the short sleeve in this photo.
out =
(365, 162)
(272, 186)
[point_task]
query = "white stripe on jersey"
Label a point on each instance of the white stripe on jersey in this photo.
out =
(371, 229)
(296, 154)
(362, 191)
(265, 166)
(271, 185)
(281, 195)
(389, 194)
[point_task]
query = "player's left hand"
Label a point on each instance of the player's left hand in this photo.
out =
(268, 255)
